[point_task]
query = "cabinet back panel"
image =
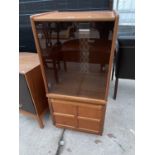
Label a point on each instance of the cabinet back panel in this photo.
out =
(25, 99)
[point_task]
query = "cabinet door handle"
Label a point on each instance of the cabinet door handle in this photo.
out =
(20, 105)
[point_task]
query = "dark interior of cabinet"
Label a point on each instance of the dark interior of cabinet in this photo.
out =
(76, 56)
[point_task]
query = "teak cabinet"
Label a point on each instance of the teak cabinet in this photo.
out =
(76, 52)
(32, 96)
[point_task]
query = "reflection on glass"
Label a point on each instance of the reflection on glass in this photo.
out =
(76, 56)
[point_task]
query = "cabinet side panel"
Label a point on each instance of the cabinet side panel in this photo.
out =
(113, 46)
(39, 53)
(37, 89)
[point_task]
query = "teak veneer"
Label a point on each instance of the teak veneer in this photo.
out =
(77, 92)
(32, 96)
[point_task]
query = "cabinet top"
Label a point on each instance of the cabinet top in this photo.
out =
(27, 61)
(75, 16)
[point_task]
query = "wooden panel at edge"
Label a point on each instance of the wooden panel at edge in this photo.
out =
(37, 89)
(76, 129)
(76, 99)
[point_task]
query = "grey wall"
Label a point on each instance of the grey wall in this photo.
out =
(29, 7)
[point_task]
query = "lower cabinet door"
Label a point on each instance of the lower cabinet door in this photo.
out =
(64, 108)
(92, 111)
(65, 120)
(89, 124)
(81, 116)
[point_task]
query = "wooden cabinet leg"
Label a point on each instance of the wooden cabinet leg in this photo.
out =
(65, 66)
(64, 62)
(59, 66)
(112, 77)
(40, 121)
(115, 89)
(114, 63)
(55, 71)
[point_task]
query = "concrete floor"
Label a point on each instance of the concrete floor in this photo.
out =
(118, 137)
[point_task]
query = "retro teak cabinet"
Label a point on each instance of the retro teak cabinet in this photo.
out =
(32, 96)
(76, 51)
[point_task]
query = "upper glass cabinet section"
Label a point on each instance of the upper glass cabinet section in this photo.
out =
(75, 53)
